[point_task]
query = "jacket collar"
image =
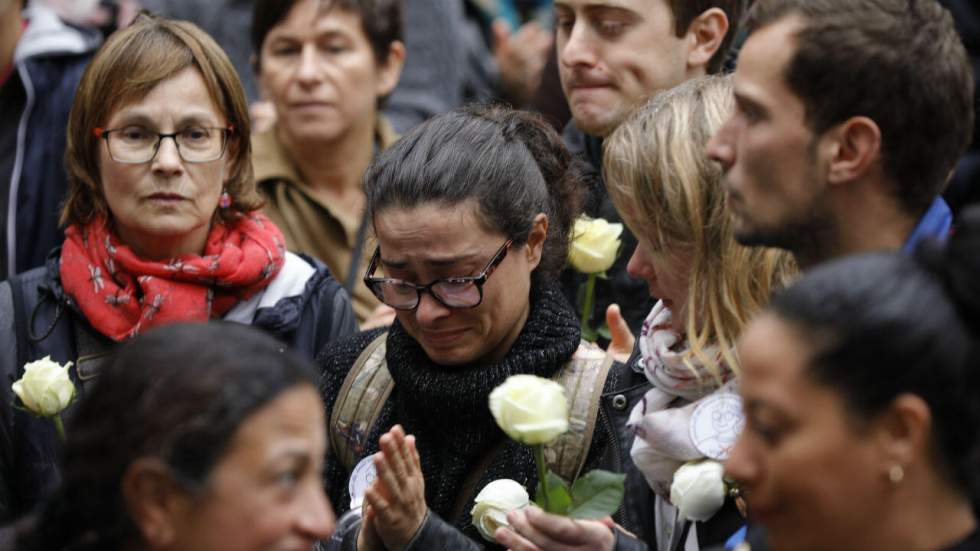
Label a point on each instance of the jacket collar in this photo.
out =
(934, 224)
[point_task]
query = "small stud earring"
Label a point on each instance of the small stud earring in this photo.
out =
(225, 200)
(896, 474)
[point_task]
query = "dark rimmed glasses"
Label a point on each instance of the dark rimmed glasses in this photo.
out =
(451, 292)
(136, 144)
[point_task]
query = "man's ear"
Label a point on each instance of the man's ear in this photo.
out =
(902, 434)
(154, 501)
(855, 147)
(705, 35)
(391, 70)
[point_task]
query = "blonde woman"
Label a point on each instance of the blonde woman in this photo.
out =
(670, 194)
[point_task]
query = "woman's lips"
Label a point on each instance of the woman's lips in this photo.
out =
(442, 339)
(309, 105)
(167, 197)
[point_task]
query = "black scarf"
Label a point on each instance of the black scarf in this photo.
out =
(446, 407)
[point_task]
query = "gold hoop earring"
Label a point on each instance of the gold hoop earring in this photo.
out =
(896, 474)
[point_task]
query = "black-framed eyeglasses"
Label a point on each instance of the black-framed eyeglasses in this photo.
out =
(451, 292)
(135, 144)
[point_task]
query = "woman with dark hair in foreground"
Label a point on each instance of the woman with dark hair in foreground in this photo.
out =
(861, 396)
(196, 437)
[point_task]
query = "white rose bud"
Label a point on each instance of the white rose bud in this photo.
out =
(594, 245)
(493, 503)
(530, 409)
(45, 389)
(698, 490)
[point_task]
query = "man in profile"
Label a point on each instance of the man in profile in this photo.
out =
(850, 117)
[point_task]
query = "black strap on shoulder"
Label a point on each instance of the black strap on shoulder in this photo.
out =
(20, 322)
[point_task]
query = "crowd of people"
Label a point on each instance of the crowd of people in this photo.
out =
(266, 261)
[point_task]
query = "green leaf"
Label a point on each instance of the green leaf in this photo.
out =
(561, 499)
(597, 494)
(604, 332)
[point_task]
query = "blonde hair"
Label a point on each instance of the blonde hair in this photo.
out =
(126, 68)
(670, 194)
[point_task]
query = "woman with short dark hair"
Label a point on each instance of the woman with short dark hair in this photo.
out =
(325, 66)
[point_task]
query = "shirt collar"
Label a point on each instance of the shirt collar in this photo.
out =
(934, 224)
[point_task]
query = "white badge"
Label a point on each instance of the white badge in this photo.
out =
(361, 478)
(716, 424)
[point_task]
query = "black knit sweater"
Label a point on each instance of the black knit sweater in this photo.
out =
(445, 407)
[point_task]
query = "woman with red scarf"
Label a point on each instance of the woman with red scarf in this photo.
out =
(162, 227)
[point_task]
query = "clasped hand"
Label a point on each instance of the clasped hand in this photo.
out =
(394, 505)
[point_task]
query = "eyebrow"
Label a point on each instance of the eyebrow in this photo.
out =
(128, 116)
(434, 262)
(744, 101)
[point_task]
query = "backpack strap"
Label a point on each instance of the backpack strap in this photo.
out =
(93, 351)
(359, 402)
(583, 378)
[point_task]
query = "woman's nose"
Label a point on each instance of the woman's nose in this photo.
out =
(638, 266)
(429, 310)
(316, 519)
(167, 158)
(740, 466)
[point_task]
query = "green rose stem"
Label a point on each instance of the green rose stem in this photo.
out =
(587, 304)
(59, 426)
(542, 474)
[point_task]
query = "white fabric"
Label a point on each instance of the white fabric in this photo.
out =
(290, 281)
(661, 420)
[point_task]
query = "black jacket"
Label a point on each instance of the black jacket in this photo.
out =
(39, 320)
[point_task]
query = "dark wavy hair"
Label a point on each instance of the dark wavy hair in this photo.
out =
(512, 163)
(178, 393)
(883, 324)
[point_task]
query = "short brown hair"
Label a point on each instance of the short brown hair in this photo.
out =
(900, 63)
(685, 11)
(127, 67)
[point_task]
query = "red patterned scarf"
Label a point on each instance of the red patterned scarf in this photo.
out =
(122, 294)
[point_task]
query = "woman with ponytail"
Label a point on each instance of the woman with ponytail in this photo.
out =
(472, 212)
(862, 398)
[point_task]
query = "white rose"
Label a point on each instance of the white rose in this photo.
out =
(698, 490)
(594, 245)
(530, 409)
(493, 503)
(45, 389)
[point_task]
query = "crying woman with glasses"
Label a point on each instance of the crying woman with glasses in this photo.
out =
(161, 226)
(471, 211)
